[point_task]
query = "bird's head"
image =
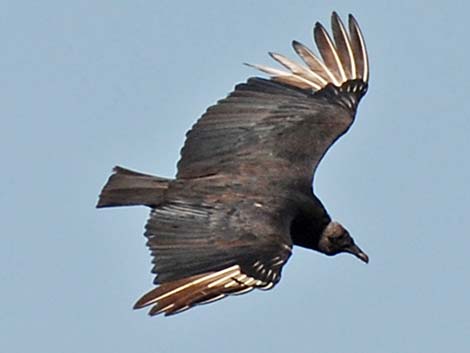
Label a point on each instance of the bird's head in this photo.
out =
(335, 239)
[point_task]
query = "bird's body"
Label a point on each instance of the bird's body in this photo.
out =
(243, 193)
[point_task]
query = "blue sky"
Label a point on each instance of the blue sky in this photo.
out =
(90, 84)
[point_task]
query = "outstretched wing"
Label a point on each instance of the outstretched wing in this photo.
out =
(281, 128)
(206, 251)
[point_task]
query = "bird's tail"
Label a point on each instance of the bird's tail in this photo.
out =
(128, 188)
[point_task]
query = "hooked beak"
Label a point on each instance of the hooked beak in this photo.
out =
(356, 251)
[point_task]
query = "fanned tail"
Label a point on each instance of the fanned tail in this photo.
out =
(343, 58)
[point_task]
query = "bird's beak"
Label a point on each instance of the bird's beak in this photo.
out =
(356, 251)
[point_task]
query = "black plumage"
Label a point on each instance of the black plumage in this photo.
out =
(243, 193)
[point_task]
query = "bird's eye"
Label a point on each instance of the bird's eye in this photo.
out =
(341, 239)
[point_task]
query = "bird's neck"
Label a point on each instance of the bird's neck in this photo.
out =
(309, 222)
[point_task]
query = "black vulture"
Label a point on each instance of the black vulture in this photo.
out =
(243, 196)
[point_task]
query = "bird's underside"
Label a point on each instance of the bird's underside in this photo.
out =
(243, 194)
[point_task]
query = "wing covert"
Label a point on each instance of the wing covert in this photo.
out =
(280, 129)
(188, 238)
(204, 252)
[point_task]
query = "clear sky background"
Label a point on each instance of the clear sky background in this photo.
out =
(86, 85)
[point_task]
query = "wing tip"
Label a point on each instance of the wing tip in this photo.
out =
(337, 67)
(180, 295)
(177, 296)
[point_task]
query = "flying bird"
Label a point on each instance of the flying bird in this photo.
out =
(243, 196)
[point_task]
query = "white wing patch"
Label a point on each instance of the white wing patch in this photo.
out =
(174, 297)
(344, 59)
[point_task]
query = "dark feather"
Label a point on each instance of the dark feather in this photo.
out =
(188, 238)
(128, 188)
(243, 193)
(266, 129)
